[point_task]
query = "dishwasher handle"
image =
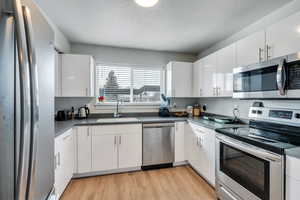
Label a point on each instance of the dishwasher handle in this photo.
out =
(159, 125)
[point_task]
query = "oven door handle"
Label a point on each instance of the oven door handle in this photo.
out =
(281, 77)
(265, 155)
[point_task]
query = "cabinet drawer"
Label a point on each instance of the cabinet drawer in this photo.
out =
(117, 129)
(200, 130)
(292, 167)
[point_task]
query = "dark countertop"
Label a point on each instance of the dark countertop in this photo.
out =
(63, 126)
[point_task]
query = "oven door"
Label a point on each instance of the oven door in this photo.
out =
(262, 80)
(247, 172)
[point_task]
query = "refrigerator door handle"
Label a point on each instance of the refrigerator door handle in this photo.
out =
(25, 104)
(34, 100)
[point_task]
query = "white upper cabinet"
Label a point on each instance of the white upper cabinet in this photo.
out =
(77, 75)
(283, 38)
(226, 61)
(198, 78)
(179, 79)
(250, 50)
(209, 71)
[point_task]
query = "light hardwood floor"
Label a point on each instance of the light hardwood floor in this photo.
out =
(179, 183)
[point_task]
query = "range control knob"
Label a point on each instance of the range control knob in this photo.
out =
(297, 115)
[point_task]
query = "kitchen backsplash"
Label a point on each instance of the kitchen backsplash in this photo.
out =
(65, 103)
(224, 106)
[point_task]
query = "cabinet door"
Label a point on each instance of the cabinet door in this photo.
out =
(84, 150)
(209, 75)
(68, 155)
(76, 76)
(198, 78)
(169, 81)
(130, 150)
(58, 77)
(59, 175)
(250, 50)
(104, 152)
(179, 79)
(179, 141)
(283, 37)
(188, 143)
(226, 61)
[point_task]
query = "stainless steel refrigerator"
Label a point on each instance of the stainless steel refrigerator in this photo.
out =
(26, 102)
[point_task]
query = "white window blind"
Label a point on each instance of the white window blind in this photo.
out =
(129, 84)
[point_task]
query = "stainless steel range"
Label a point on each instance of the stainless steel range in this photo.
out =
(250, 161)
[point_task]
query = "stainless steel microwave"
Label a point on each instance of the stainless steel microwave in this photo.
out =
(277, 78)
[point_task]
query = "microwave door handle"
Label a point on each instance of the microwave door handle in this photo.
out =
(281, 77)
(25, 104)
(34, 99)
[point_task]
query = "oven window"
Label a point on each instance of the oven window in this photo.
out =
(249, 171)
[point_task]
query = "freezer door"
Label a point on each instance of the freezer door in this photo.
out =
(7, 84)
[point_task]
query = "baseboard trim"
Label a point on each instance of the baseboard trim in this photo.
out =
(181, 163)
(106, 172)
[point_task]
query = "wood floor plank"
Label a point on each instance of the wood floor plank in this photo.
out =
(178, 183)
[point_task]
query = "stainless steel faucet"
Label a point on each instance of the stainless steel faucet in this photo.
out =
(116, 113)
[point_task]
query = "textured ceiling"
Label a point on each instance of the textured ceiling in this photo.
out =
(172, 25)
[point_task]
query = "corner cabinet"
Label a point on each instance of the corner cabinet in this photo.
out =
(179, 79)
(200, 150)
(77, 75)
(212, 75)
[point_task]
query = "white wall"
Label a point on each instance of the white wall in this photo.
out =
(264, 22)
(61, 42)
(115, 55)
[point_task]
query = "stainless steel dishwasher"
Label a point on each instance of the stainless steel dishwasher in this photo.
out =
(158, 145)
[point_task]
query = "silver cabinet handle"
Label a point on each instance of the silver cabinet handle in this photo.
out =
(268, 49)
(58, 158)
(120, 140)
(115, 140)
(25, 112)
(88, 131)
(86, 92)
(200, 92)
(34, 96)
(260, 57)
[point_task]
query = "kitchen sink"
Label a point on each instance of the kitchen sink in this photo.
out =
(112, 120)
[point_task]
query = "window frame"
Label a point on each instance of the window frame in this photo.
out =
(130, 104)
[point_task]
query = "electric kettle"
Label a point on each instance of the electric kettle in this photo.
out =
(83, 112)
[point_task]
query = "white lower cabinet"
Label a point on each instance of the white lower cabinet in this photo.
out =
(292, 178)
(201, 151)
(84, 149)
(130, 150)
(104, 152)
(64, 161)
(179, 142)
(108, 147)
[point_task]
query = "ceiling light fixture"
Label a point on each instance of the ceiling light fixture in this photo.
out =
(146, 3)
